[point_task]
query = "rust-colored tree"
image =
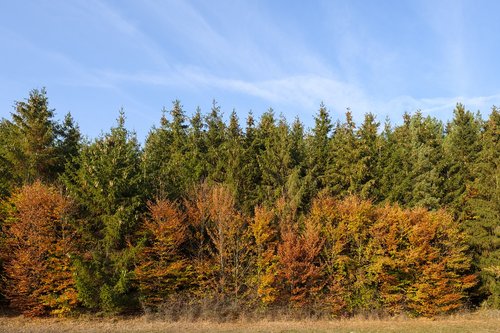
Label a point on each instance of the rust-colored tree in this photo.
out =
(439, 263)
(220, 242)
(39, 241)
(162, 269)
(300, 271)
(229, 235)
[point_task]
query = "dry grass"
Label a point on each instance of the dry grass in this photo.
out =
(483, 321)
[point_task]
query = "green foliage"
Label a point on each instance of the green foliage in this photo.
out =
(461, 147)
(106, 183)
(33, 146)
(318, 149)
(343, 175)
(165, 164)
(29, 142)
(483, 205)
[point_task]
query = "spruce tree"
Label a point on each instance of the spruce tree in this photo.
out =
(396, 183)
(461, 147)
(275, 160)
(106, 183)
(34, 146)
(68, 141)
(251, 174)
(300, 184)
(369, 150)
(484, 207)
(343, 174)
(32, 152)
(7, 170)
(215, 139)
(233, 149)
(318, 149)
(196, 149)
(165, 164)
(426, 156)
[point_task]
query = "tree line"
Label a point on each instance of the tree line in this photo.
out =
(335, 220)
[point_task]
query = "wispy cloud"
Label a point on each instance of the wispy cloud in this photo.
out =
(110, 15)
(440, 106)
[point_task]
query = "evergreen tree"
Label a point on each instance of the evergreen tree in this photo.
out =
(165, 163)
(343, 173)
(275, 160)
(107, 183)
(426, 137)
(7, 171)
(31, 148)
(300, 184)
(251, 174)
(461, 147)
(396, 184)
(68, 142)
(215, 139)
(318, 149)
(484, 208)
(234, 150)
(196, 149)
(369, 155)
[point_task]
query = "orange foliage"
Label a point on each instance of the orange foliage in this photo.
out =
(345, 255)
(345, 226)
(437, 260)
(162, 270)
(222, 237)
(300, 270)
(265, 238)
(389, 257)
(39, 242)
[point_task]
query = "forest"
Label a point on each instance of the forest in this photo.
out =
(255, 215)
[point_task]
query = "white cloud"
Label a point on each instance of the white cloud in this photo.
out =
(440, 107)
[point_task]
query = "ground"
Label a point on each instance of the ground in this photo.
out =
(483, 321)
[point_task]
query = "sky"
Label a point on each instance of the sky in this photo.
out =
(386, 57)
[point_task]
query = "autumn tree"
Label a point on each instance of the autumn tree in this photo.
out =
(346, 229)
(227, 231)
(220, 242)
(439, 264)
(162, 269)
(264, 228)
(38, 248)
(300, 271)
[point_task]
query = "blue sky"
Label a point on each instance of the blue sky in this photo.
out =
(385, 57)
